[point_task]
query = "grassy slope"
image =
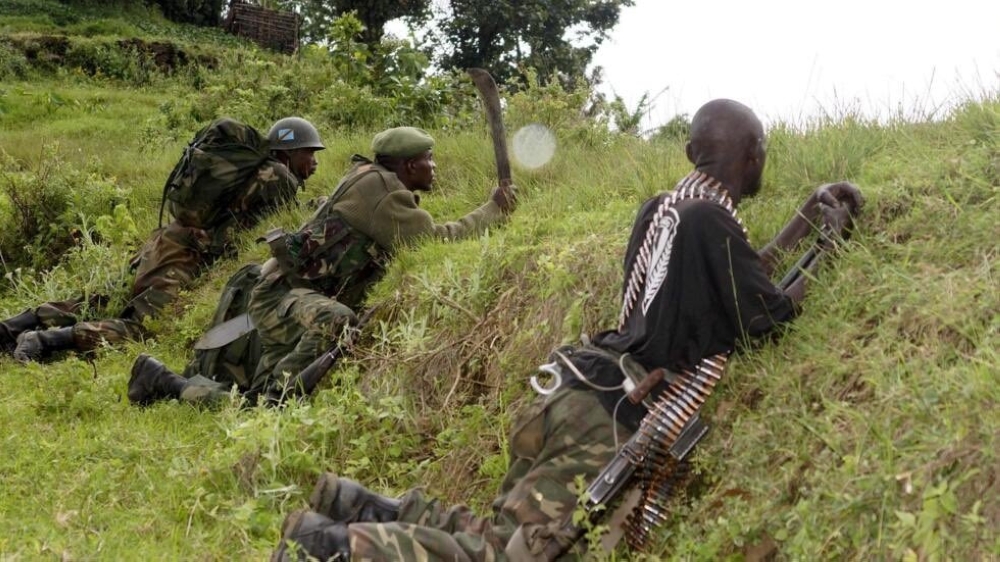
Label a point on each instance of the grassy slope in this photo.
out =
(868, 431)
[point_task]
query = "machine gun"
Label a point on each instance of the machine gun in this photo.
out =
(673, 419)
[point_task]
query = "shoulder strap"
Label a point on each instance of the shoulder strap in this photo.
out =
(362, 167)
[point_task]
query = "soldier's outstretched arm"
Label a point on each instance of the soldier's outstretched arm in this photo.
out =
(403, 221)
(837, 198)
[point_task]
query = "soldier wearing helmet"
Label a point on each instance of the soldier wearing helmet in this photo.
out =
(294, 142)
(305, 298)
(176, 253)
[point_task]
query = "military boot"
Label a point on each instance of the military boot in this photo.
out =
(152, 381)
(12, 327)
(346, 501)
(310, 535)
(33, 345)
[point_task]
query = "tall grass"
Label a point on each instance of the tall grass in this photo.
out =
(867, 432)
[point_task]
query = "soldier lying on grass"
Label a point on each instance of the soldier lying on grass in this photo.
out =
(310, 292)
(200, 232)
(693, 289)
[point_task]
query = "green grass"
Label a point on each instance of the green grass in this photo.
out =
(867, 432)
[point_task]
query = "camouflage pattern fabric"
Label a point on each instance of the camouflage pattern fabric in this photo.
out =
(236, 361)
(296, 325)
(557, 439)
(331, 262)
(330, 256)
(169, 261)
(214, 169)
(60, 314)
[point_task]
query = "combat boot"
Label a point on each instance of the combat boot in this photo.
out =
(310, 535)
(12, 327)
(346, 501)
(33, 345)
(152, 381)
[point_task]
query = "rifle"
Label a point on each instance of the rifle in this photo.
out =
(617, 474)
(306, 381)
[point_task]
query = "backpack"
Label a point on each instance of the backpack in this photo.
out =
(328, 254)
(216, 165)
(236, 361)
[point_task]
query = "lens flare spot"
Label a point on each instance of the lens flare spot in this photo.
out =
(533, 146)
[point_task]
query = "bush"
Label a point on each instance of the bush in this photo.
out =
(103, 59)
(13, 64)
(48, 207)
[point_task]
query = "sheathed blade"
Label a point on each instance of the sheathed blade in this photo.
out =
(494, 115)
(225, 333)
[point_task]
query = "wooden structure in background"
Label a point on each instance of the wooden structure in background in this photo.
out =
(268, 28)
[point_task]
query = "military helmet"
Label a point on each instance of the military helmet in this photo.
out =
(294, 132)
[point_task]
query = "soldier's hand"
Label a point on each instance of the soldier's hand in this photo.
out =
(505, 196)
(840, 193)
(837, 222)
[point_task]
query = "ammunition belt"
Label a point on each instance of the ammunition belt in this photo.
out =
(660, 466)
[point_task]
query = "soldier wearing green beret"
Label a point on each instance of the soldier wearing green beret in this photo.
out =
(311, 291)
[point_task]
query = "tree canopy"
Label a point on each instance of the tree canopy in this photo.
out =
(318, 15)
(557, 38)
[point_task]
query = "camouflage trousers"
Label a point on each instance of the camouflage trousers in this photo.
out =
(566, 436)
(168, 262)
(296, 326)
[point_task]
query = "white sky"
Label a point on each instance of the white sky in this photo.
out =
(793, 60)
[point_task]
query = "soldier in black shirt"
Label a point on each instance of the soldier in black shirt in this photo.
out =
(694, 288)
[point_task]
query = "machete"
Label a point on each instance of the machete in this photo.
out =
(227, 332)
(494, 115)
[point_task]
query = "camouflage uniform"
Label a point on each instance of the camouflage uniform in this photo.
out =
(299, 315)
(569, 434)
(171, 259)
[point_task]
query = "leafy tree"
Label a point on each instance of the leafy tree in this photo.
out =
(197, 12)
(677, 129)
(318, 15)
(558, 38)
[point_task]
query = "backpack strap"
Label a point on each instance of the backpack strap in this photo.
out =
(364, 167)
(180, 166)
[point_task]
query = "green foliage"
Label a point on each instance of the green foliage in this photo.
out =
(100, 59)
(55, 12)
(320, 16)
(348, 85)
(13, 64)
(197, 12)
(677, 129)
(866, 432)
(558, 40)
(568, 111)
(49, 206)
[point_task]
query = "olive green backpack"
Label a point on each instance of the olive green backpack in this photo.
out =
(215, 167)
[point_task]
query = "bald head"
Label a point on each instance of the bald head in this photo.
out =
(727, 142)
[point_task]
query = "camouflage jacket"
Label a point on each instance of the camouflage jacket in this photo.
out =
(342, 249)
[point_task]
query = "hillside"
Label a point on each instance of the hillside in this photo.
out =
(868, 431)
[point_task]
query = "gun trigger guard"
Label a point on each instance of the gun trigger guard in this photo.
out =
(552, 369)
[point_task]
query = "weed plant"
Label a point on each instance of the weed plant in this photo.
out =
(868, 431)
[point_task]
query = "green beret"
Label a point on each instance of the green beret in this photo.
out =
(402, 142)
